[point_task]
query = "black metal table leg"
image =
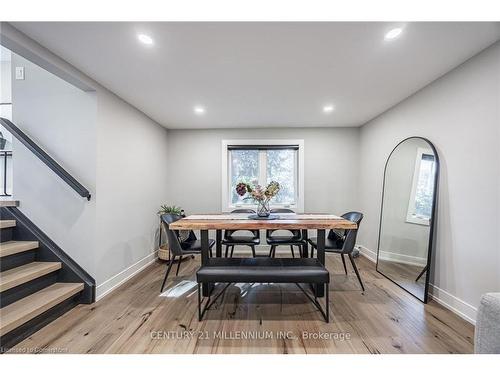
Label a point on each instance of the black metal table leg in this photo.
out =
(305, 252)
(320, 288)
(206, 287)
(218, 243)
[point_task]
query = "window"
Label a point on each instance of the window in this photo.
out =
(422, 192)
(263, 161)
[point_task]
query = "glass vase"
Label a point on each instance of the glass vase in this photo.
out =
(263, 208)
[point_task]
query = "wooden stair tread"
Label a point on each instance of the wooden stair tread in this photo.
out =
(27, 272)
(4, 224)
(14, 247)
(22, 311)
(8, 203)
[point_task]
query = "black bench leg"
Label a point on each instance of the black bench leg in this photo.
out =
(314, 299)
(209, 303)
(293, 252)
(253, 251)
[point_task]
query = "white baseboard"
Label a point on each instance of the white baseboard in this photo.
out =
(367, 253)
(117, 280)
(455, 304)
(444, 298)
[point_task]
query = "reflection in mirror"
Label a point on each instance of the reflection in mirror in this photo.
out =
(407, 217)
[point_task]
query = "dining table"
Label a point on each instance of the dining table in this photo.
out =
(243, 221)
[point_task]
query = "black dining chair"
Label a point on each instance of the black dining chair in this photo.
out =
(294, 238)
(178, 248)
(231, 240)
(342, 243)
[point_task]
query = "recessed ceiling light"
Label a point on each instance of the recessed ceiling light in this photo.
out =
(199, 110)
(328, 108)
(146, 39)
(394, 33)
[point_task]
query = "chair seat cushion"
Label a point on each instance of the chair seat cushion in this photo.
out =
(263, 270)
(195, 246)
(332, 246)
(243, 240)
(276, 240)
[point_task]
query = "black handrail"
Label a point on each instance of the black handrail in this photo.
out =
(44, 157)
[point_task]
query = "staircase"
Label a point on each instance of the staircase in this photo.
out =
(38, 281)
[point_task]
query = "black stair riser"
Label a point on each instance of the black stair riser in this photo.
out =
(6, 234)
(17, 335)
(48, 251)
(16, 260)
(14, 294)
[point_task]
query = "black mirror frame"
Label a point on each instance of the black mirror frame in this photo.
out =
(432, 224)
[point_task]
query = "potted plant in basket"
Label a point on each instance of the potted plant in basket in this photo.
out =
(163, 251)
(259, 194)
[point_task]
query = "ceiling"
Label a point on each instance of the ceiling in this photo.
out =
(263, 74)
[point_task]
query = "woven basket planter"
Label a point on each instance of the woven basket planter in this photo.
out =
(163, 252)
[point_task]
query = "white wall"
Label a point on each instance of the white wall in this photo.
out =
(459, 113)
(6, 112)
(5, 88)
(131, 185)
(330, 159)
(61, 119)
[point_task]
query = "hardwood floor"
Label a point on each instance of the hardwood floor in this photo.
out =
(274, 318)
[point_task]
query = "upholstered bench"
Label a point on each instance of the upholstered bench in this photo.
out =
(263, 270)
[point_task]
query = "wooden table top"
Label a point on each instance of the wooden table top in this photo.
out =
(285, 221)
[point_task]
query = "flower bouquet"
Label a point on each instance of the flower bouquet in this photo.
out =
(259, 194)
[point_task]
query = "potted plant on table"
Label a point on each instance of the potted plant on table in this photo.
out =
(259, 194)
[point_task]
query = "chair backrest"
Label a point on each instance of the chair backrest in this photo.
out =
(353, 216)
(173, 240)
(295, 232)
(228, 232)
(351, 234)
(243, 211)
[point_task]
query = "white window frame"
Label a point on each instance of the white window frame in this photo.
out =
(227, 206)
(410, 218)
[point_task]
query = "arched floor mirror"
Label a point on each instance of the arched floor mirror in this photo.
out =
(408, 215)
